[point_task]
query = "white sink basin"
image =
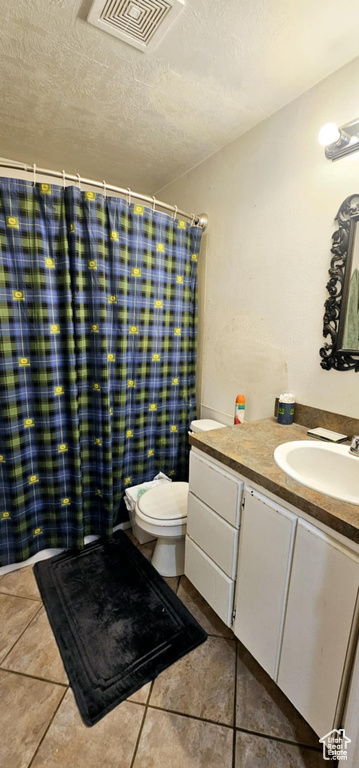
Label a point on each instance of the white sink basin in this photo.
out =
(324, 467)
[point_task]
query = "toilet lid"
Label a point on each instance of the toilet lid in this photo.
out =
(167, 501)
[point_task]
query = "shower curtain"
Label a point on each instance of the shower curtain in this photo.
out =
(97, 359)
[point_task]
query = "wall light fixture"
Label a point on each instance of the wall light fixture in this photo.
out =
(339, 141)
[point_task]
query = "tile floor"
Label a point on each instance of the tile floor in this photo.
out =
(215, 708)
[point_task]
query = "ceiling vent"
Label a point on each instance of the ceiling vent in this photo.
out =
(141, 23)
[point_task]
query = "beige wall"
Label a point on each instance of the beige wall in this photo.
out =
(271, 197)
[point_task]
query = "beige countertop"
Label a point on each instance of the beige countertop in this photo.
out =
(248, 449)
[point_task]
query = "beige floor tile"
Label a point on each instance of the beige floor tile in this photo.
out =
(141, 696)
(21, 582)
(131, 536)
(201, 684)
(172, 582)
(26, 708)
(262, 707)
(259, 752)
(148, 549)
(173, 741)
(110, 743)
(200, 609)
(15, 614)
(36, 653)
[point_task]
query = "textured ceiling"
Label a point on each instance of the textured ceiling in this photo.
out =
(74, 97)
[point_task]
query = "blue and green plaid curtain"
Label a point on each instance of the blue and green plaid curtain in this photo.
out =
(97, 359)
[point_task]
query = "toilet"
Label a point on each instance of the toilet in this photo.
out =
(162, 513)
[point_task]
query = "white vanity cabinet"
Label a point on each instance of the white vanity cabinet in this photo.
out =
(213, 517)
(287, 587)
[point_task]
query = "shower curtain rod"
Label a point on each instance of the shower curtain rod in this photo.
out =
(200, 220)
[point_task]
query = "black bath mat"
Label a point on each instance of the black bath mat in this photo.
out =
(116, 621)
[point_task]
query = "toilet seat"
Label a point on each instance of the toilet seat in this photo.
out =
(166, 504)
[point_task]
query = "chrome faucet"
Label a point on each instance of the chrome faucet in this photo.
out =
(354, 448)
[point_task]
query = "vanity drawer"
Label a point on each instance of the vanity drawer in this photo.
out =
(212, 583)
(213, 534)
(218, 489)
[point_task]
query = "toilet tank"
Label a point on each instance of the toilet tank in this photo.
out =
(204, 425)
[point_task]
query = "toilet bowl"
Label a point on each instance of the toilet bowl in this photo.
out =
(162, 512)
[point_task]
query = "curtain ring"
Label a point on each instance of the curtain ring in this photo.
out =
(64, 178)
(104, 187)
(129, 196)
(192, 219)
(79, 180)
(34, 182)
(175, 213)
(154, 203)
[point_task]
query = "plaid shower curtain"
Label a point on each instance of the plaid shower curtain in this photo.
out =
(97, 359)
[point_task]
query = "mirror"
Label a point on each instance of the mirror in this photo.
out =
(350, 336)
(341, 317)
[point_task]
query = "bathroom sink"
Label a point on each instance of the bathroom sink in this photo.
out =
(324, 467)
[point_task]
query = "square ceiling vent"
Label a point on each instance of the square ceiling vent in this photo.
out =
(141, 23)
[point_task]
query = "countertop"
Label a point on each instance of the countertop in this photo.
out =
(248, 449)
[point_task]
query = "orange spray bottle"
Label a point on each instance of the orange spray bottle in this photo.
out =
(239, 409)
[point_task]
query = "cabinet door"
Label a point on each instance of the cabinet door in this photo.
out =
(321, 603)
(265, 550)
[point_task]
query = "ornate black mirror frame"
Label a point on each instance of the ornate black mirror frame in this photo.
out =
(333, 356)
